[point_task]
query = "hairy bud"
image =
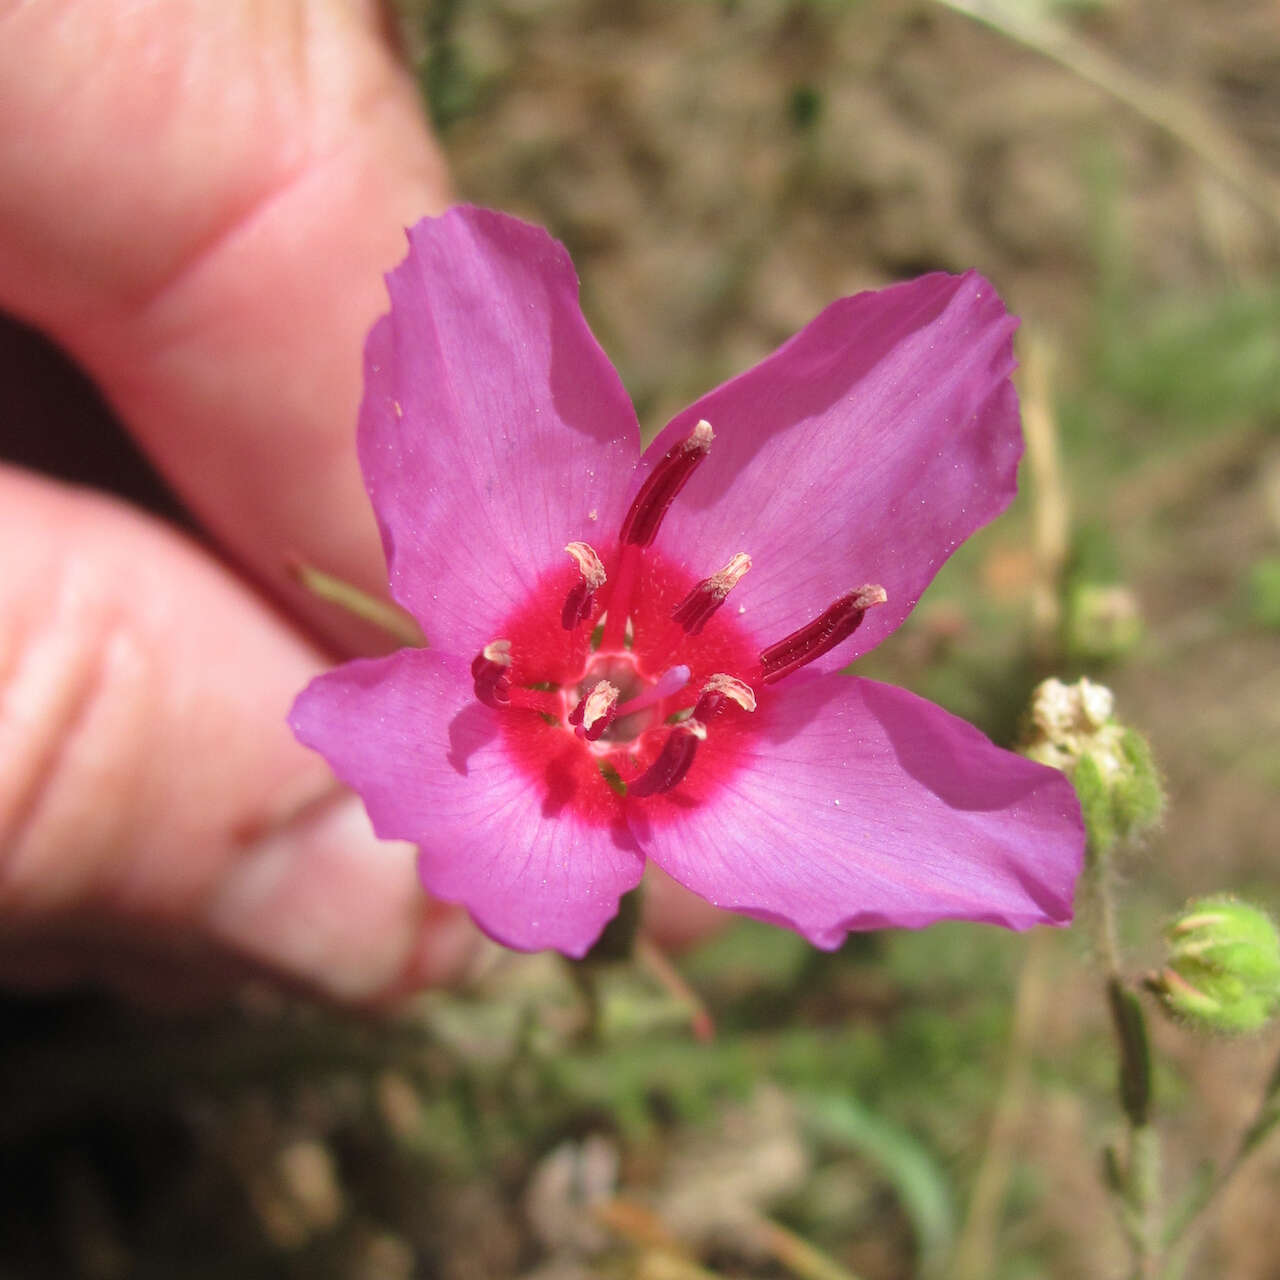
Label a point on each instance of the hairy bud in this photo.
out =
(1073, 728)
(1223, 967)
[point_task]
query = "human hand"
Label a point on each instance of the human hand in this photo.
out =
(197, 200)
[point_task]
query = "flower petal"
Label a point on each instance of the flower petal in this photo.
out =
(861, 806)
(493, 428)
(434, 767)
(864, 450)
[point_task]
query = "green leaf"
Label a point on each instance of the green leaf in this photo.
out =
(911, 1169)
(1135, 1052)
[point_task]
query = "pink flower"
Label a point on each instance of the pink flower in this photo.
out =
(635, 656)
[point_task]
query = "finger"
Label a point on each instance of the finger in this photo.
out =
(198, 200)
(149, 788)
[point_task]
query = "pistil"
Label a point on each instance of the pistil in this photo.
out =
(671, 681)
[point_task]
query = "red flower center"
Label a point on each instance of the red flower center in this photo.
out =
(621, 676)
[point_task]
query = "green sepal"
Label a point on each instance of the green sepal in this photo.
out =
(1095, 806)
(1138, 796)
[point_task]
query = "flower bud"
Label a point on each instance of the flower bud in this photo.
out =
(1102, 622)
(1223, 969)
(1073, 729)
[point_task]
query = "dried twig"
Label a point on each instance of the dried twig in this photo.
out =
(1181, 119)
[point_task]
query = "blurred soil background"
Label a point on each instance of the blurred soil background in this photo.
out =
(929, 1104)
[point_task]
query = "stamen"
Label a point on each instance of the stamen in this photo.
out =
(720, 689)
(642, 520)
(671, 681)
(490, 668)
(662, 484)
(597, 711)
(695, 610)
(673, 760)
(826, 631)
(615, 619)
(577, 606)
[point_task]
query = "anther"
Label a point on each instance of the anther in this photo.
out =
(673, 760)
(720, 689)
(596, 711)
(662, 484)
(826, 631)
(695, 610)
(591, 577)
(490, 669)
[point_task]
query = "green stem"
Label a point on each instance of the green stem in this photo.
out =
(1143, 1192)
(651, 958)
(1106, 934)
(586, 979)
(381, 613)
(617, 943)
(975, 1250)
(1180, 1233)
(1137, 1179)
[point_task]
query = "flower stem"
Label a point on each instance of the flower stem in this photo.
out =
(1050, 512)
(974, 1255)
(383, 614)
(654, 961)
(1180, 1234)
(616, 943)
(1106, 935)
(1194, 129)
(643, 1228)
(662, 1253)
(1136, 1180)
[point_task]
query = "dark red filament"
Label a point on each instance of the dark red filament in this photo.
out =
(835, 624)
(696, 609)
(662, 485)
(673, 760)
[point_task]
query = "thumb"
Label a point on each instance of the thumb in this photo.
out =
(152, 801)
(197, 201)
